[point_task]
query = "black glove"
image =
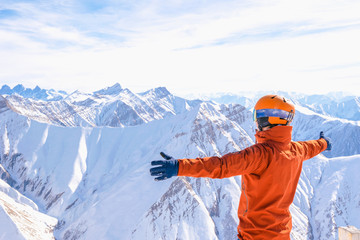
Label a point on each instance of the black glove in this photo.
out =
(165, 168)
(328, 141)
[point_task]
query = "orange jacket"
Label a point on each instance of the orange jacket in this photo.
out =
(271, 170)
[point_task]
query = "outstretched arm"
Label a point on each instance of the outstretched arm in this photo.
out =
(250, 160)
(253, 159)
(313, 147)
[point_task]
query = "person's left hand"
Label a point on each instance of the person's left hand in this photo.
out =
(328, 141)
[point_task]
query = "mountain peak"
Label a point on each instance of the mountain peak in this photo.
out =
(19, 88)
(162, 91)
(159, 92)
(113, 90)
(5, 89)
(37, 89)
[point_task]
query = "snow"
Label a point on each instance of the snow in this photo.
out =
(19, 218)
(85, 160)
(10, 230)
(16, 196)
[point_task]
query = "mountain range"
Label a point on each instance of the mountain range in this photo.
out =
(76, 166)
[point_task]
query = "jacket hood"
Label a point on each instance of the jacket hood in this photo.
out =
(278, 134)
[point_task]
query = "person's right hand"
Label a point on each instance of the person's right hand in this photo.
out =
(164, 168)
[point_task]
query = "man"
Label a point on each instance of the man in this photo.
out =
(270, 170)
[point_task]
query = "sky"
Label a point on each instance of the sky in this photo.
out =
(188, 46)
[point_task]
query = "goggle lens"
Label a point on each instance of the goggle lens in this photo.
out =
(273, 113)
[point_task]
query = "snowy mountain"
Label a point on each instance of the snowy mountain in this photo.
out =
(113, 106)
(84, 160)
(338, 105)
(37, 93)
(335, 105)
(336, 114)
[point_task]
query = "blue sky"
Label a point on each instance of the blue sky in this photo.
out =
(187, 46)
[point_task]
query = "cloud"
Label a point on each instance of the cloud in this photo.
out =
(210, 45)
(174, 24)
(8, 13)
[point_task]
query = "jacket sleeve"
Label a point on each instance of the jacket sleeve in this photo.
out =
(312, 148)
(253, 159)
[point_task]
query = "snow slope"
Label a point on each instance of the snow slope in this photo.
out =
(20, 218)
(73, 168)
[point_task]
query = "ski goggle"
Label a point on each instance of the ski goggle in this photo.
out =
(288, 116)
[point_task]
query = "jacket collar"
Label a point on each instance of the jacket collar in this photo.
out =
(278, 134)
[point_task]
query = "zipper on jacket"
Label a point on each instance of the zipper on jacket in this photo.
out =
(243, 189)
